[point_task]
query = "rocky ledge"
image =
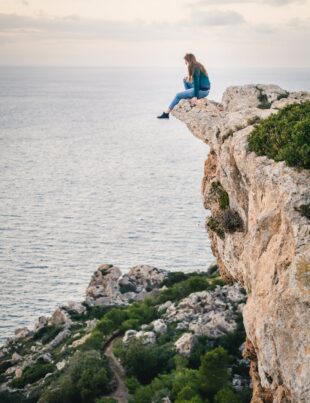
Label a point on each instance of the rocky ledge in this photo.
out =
(261, 240)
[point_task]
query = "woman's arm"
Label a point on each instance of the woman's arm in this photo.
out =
(196, 81)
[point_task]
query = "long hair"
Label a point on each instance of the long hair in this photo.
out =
(192, 63)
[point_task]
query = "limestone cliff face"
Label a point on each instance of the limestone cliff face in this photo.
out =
(269, 254)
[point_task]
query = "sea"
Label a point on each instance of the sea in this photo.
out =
(89, 176)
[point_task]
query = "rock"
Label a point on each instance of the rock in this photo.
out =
(80, 341)
(45, 358)
(60, 338)
(18, 372)
(75, 307)
(42, 322)
(159, 326)
(16, 357)
(60, 317)
(146, 337)
(185, 343)
(270, 256)
(60, 365)
(103, 288)
(164, 306)
(129, 335)
(91, 324)
(207, 313)
(22, 332)
(144, 278)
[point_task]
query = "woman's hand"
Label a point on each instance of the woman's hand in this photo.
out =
(193, 101)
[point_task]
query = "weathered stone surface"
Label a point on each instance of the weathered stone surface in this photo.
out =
(207, 313)
(159, 326)
(103, 287)
(185, 343)
(270, 257)
(60, 317)
(109, 287)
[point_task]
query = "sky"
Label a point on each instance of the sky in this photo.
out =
(221, 33)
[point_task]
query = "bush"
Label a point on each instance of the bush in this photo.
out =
(194, 283)
(231, 220)
(47, 333)
(221, 195)
(174, 277)
(215, 225)
(226, 395)
(304, 210)
(214, 371)
(264, 103)
(284, 136)
(86, 377)
(145, 361)
(32, 374)
(154, 392)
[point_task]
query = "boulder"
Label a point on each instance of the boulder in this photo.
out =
(185, 343)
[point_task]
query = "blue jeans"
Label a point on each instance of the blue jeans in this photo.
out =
(188, 93)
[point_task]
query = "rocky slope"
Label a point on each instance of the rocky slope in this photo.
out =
(182, 312)
(265, 244)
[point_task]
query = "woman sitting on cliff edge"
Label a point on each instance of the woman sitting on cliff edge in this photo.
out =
(197, 84)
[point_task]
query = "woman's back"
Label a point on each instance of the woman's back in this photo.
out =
(201, 80)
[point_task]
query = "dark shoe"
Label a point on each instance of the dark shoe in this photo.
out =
(164, 115)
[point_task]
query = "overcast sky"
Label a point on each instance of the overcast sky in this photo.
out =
(228, 33)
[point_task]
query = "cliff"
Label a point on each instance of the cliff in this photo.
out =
(265, 244)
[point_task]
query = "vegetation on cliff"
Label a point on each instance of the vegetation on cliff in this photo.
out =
(284, 136)
(154, 369)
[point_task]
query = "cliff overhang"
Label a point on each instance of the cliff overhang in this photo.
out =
(266, 245)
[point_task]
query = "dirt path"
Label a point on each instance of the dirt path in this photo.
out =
(121, 393)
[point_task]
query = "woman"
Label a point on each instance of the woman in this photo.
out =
(197, 84)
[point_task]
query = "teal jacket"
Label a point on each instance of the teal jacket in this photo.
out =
(201, 81)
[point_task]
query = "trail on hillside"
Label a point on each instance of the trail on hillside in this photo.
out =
(121, 393)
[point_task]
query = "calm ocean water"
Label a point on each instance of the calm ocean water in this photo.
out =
(90, 176)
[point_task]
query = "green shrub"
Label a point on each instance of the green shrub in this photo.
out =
(32, 374)
(304, 210)
(95, 342)
(284, 136)
(106, 400)
(146, 361)
(159, 388)
(226, 395)
(283, 95)
(221, 195)
(194, 283)
(174, 277)
(86, 377)
(47, 333)
(11, 397)
(216, 226)
(231, 220)
(214, 371)
(264, 103)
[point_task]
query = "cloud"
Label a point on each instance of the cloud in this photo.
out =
(299, 23)
(276, 3)
(74, 27)
(216, 18)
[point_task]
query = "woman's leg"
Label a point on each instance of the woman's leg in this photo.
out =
(203, 93)
(181, 95)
